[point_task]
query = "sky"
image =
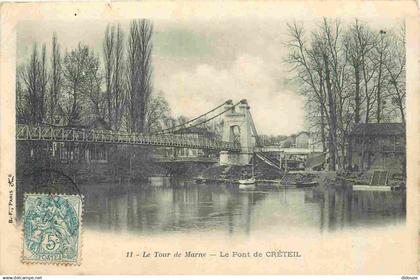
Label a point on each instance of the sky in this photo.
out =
(199, 65)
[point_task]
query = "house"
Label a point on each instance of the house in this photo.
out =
(300, 140)
(377, 146)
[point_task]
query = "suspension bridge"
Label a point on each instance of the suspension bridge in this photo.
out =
(238, 143)
(77, 135)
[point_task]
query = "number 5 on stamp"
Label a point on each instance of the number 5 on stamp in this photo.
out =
(52, 228)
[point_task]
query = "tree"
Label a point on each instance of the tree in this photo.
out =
(395, 66)
(343, 73)
(157, 114)
(119, 100)
(56, 80)
(336, 68)
(43, 82)
(113, 50)
(22, 109)
(315, 66)
(139, 73)
(109, 60)
(92, 93)
(35, 79)
(359, 43)
(381, 56)
(80, 69)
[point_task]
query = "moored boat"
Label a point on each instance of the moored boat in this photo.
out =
(249, 181)
(200, 180)
(371, 188)
(378, 182)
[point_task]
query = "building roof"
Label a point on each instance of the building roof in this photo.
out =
(302, 132)
(379, 129)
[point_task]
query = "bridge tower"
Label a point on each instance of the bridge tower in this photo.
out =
(237, 127)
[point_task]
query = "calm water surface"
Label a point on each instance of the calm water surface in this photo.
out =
(164, 206)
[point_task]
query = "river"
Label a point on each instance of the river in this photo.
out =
(168, 206)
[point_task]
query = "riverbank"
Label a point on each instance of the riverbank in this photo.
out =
(265, 174)
(395, 181)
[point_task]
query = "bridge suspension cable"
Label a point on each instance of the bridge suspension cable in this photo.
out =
(260, 155)
(267, 160)
(183, 125)
(196, 118)
(207, 120)
(254, 130)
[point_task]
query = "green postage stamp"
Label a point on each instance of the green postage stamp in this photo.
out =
(52, 228)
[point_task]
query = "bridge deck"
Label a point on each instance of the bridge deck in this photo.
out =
(61, 134)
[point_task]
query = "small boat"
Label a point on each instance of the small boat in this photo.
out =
(371, 188)
(378, 182)
(200, 180)
(249, 181)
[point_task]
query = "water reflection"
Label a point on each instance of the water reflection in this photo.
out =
(183, 206)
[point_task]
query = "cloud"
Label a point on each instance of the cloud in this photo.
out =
(275, 110)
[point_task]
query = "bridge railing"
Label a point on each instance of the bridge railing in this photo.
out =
(65, 134)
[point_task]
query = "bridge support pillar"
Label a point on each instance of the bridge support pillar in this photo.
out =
(237, 127)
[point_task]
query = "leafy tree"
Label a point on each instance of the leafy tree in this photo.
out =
(139, 73)
(82, 80)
